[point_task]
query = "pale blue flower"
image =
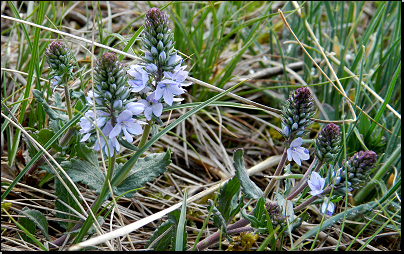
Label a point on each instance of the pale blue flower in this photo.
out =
(296, 152)
(151, 68)
(330, 208)
(136, 107)
(56, 82)
(112, 143)
(91, 95)
(87, 126)
(178, 76)
(316, 184)
(174, 59)
(141, 77)
(167, 89)
(126, 124)
(152, 107)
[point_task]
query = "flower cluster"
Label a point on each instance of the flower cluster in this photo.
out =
(116, 113)
(277, 218)
(153, 84)
(59, 57)
(358, 167)
(296, 113)
(328, 143)
(162, 76)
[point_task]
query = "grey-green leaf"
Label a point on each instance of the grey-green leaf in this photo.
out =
(39, 219)
(85, 172)
(144, 170)
(56, 115)
(218, 219)
(356, 210)
(249, 188)
(227, 201)
(164, 241)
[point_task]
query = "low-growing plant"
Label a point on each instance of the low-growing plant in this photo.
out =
(89, 135)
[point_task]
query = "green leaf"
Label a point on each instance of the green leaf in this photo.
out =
(86, 153)
(165, 241)
(174, 218)
(249, 188)
(181, 235)
(218, 219)
(356, 210)
(84, 172)
(227, 201)
(126, 144)
(258, 210)
(39, 219)
(44, 135)
(79, 95)
(53, 114)
(251, 218)
(29, 226)
(144, 170)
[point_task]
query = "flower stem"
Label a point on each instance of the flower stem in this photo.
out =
(277, 173)
(313, 198)
(215, 237)
(145, 134)
(303, 182)
(68, 103)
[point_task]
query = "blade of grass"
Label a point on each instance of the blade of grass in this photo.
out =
(179, 240)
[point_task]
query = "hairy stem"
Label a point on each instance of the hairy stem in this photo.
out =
(145, 134)
(313, 198)
(68, 103)
(277, 173)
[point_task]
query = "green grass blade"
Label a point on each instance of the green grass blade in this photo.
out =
(179, 240)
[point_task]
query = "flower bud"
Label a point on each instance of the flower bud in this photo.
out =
(358, 167)
(297, 111)
(328, 143)
(110, 75)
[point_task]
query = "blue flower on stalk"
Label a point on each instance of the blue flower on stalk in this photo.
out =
(167, 89)
(152, 107)
(330, 208)
(141, 77)
(316, 184)
(112, 143)
(296, 152)
(136, 107)
(87, 126)
(126, 124)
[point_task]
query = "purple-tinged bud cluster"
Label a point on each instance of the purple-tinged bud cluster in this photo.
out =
(328, 143)
(59, 58)
(277, 218)
(358, 167)
(296, 113)
(158, 39)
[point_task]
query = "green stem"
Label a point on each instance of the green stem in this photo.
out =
(277, 173)
(87, 224)
(145, 134)
(382, 171)
(68, 103)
